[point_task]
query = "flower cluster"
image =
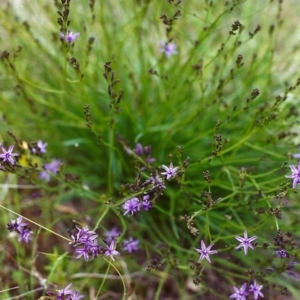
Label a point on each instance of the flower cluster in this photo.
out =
(68, 294)
(85, 242)
(21, 228)
(241, 293)
(134, 205)
(51, 167)
(144, 151)
(8, 156)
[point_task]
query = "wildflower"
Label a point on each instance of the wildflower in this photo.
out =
(41, 147)
(255, 289)
(112, 234)
(170, 172)
(139, 149)
(51, 167)
(205, 251)
(245, 242)
(240, 294)
(85, 242)
(168, 48)
(111, 250)
(130, 245)
(295, 175)
(7, 156)
(21, 228)
(68, 294)
(281, 253)
(156, 182)
(146, 203)
(131, 206)
(70, 37)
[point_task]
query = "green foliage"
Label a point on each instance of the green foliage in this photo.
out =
(224, 109)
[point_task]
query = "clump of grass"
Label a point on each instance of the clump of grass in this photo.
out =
(146, 150)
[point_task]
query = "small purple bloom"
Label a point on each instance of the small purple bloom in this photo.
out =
(41, 147)
(295, 175)
(25, 235)
(240, 294)
(112, 234)
(281, 253)
(130, 245)
(170, 172)
(205, 251)
(131, 206)
(111, 250)
(7, 156)
(245, 242)
(16, 225)
(168, 48)
(70, 36)
(21, 228)
(255, 289)
(146, 203)
(68, 294)
(51, 167)
(139, 149)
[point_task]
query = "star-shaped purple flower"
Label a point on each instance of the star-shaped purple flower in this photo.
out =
(170, 171)
(130, 245)
(240, 294)
(205, 251)
(111, 250)
(295, 175)
(168, 48)
(7, 156)
(245, 242)
(255, 289)
(70, 37)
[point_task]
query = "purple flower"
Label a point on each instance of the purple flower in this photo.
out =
(21, 228)
(168, 48)
(240, 294)
(295, 175)
(68, 294)
(85, 242)
(245, 242)
(157, 183)
(139, 149)
(51, 167)
(281, 253)
(205, 252)
(25, 235)
(41, 147)
(111, 250)
(70, 36)
(170, 172)
(16, 225)
(255, 289)
(146, 203)
(130, 245)
(112, 234)
(131, 206)
(7, 156)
